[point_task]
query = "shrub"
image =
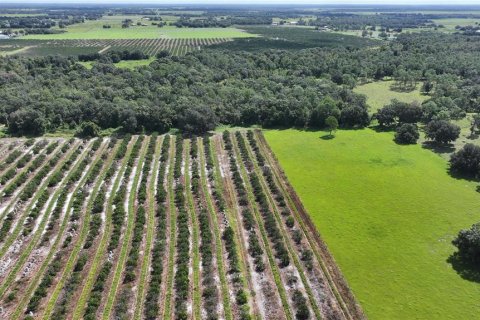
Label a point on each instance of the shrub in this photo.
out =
(466, 161)
(468, 243)
(88, 130)
(442, 131)
(407, 133)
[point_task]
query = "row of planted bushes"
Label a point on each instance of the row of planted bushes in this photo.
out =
(27, 192)
(22, 162)
(183, 238)
(209, 286)
(269, 220)
(140, 219)
(151, 308)
(57, 263)
(254, 248)
(61, 307)
(118, 216)
(123, 300)
(228, 237)
(300, 302)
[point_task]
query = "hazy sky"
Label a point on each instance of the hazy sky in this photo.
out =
(293, 2)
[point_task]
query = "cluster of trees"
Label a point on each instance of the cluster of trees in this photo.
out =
(466, 161)
(31, 22)
(194, 93)
(221, 22)
(271, 88)
(387, 21)
(405, 116)
(114, 56)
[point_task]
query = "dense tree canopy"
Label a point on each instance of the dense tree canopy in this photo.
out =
(267, 87)
(442, 131)
(407, 133)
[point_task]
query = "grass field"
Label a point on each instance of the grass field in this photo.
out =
(388, 214)
(379, 94)
(451, 23)
(94, 30)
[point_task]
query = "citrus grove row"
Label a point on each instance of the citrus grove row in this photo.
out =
(159, 227)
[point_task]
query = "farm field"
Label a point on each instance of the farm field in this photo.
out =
(379, 94)
(76, 47)
(93, 29)
(451, 23)
(388, 214)
(149, 227)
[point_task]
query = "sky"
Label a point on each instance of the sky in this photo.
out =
(293, 2)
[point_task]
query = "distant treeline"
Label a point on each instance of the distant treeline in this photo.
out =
(221, 22)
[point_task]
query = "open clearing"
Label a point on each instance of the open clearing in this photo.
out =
(379, 94)
(388, 214)
(114, 228)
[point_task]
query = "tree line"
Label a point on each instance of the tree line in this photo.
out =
(270, 88)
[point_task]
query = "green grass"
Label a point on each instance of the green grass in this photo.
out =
(132, 64)
(388, 214)
(451, 23)
(379, 94)
(93, 29)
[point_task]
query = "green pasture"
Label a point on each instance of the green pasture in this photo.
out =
(94, 30)
(451, 23)
(379, 94)
(388, 214)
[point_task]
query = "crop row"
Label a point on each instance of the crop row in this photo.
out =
(151, 227)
